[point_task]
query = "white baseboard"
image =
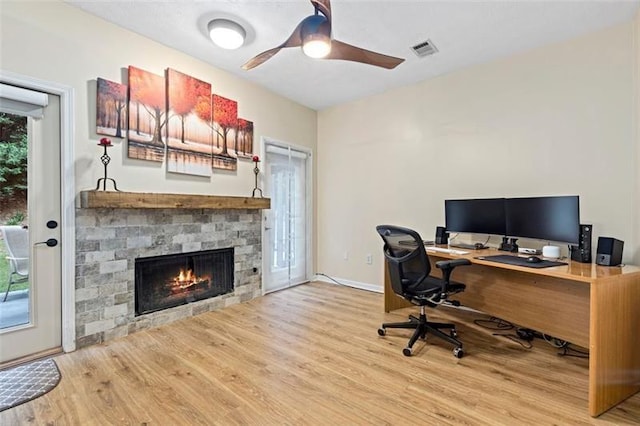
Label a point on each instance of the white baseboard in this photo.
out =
(350, 283)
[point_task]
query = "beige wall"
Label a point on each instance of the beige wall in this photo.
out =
(552, 121)
(59, 43)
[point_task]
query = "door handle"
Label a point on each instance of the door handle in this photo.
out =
(51, 242)
(266, 228)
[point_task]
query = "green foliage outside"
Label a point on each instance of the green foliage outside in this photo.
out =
(13, 183)
(16, 219)
(13, 156)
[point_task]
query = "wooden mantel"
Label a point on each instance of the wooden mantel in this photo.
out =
(141, 200)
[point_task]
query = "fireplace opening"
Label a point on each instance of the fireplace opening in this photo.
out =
(163, 282)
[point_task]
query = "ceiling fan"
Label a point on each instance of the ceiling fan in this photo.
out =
(314, 35)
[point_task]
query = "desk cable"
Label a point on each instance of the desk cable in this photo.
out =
(498, 324)
(451, 239)
(494, 323)
(568, 350)
(515, 338)
(525, 336)
(332, 279)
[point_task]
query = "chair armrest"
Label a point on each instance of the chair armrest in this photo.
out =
(447, 268)
(450, 264)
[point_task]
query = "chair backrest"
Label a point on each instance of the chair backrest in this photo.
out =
(16, 239)
(407, 260)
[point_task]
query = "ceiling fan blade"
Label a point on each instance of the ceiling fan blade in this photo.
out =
(347, 52)
(323, 6)
(259, 59)
(294, 40)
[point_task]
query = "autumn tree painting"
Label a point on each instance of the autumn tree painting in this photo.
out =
(189, 124)
(147, 115)
(244, 138)
(111, 108)
(225, 124)
(205, 114)
(176, 116)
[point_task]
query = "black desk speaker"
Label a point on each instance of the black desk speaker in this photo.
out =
(442, 236)
(609, 251)
(582, 252)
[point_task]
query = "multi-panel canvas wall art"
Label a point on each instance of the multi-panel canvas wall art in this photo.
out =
(189, 132)
(244, 139)
(176, 117)
(225, 124)
(147, 115)
(111, 108)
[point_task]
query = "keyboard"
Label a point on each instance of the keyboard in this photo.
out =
(444, 250)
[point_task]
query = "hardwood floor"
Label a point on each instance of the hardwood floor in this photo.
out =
(311, 355)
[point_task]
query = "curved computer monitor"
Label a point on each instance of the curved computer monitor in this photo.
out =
(475, 216)
(544, 218)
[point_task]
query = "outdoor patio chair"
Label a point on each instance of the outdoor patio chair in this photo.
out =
(16, 240)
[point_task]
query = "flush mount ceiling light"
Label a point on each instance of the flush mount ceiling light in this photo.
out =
(226, 33)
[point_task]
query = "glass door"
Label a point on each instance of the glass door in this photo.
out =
(30, 256)
(287, 223)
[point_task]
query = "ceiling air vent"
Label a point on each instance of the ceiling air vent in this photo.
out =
(425, 48)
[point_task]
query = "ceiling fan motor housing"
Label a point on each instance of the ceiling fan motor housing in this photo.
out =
(315, 25)
(316, 30)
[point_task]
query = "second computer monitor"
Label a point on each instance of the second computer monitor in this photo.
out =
(544, 218)
(476, 216)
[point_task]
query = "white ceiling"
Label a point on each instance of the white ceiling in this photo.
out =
(465, 33)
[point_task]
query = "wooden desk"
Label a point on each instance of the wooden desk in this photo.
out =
(596, 307)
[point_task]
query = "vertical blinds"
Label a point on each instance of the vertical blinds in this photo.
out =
(19, 101)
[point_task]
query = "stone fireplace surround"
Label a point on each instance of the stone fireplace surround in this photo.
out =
(109, 239)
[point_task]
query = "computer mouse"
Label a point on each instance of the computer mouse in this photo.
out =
(533, 259)
(479, 246)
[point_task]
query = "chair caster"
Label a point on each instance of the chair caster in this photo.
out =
(407, 351)
(453, 333)
(382, 331)
(458, 352)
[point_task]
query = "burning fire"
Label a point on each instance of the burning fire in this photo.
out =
(185, 279)
(186, 276)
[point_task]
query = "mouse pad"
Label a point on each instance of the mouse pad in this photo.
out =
(520, 261)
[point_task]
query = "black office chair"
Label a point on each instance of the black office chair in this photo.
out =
(409, 270)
